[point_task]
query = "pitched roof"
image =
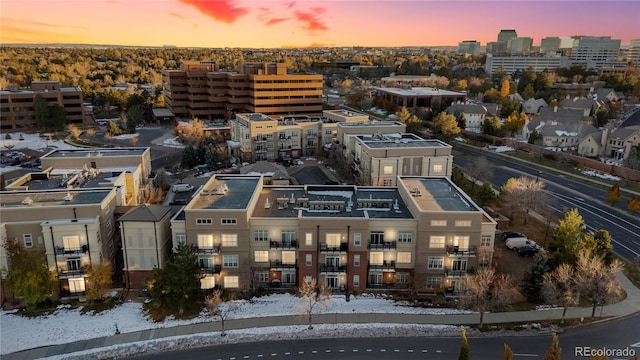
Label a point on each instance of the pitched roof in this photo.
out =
(623, 133)
(633, 121)
(467, 109)
(492, 108)
(560, 115)
(580, 103)
(149, 212)
(276, 171)
(532, 106)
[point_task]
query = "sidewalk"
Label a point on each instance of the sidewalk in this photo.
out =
(629, 306)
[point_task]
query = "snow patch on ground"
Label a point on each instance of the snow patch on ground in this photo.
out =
(33, 142)
(601, 175)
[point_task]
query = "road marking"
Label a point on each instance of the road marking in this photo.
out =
(530, 355)
(424, 351)
(396, 350)
(355, 350)
(246, 357)
(341, 350)
(327, 351)
(300, 352)
(287, 353)
(274, 354)
(259, 355)
(410, 350)
(438, 351)
(635, 345)
(314, 351)
(368, 350)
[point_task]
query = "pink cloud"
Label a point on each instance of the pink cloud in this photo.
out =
(311, 21)
(220, 10)
(290, 5)
(275, 21)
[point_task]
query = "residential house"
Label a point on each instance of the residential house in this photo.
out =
(474, 115)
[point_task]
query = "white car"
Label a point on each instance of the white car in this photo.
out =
(519, 242)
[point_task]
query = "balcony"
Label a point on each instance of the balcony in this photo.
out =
(215, 269)
(342, 247)
(64, 272)
(385, 266)
(387, 245)
(457, 272)
(293, 244)
(60, 250)
(260, 139)
(278, 264)
(454, 250)
(215, 249)
(332, 268)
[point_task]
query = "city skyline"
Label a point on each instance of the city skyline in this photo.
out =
(282, 24)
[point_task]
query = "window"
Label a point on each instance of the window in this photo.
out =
(437, 168)
(231, 282)
(387, 170)
(435, 262)
(356, 260)
(436, 242)
(288, 236)
(109, 226)
(76, 285)
(463, 223)
(262, 276)
(333, 240)
(484, 261)
(203, 221)
(377, 238)
(229, 240)
(73, 264)
(289, 257)
(206, 263)
(205, 241)
(260, 235)
(181, 238)
(357, 239)
(228, 221)
(308, 260)
(375, 278)
(207, 282)
(261, 256)
(28, 241)
(308, 279)
(375, 258)
(434, 282)
(405, 236)
(387, 182)
(71, 242)
(461, 241)
(402, 278)
(404, 258)
(438, 222)
(308, 239)
(356, 280)
(485, 240)
(230, 261)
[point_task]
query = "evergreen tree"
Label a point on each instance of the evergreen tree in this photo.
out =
(41, 112)
(555, 352)
(28, 275)
(189, 157)
(534, 278)
(176, 287)
(464, 347)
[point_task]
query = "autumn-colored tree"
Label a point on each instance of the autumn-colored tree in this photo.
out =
(99, 280)
(91, 132)
(505, 88)
(312, 297)
(634, 204)
(554, 352)
(445, 126)
(191, 132)
(75, 131)
(596, 280)
(150, 194)
(522, 195)
(486, 290)
(464, 347)
(614, 195)
(559, 288)
(508, 353)
(412, 123)
(514, 123)
(566, 237)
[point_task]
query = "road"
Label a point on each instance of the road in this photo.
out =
(617, 334)
(564, 194)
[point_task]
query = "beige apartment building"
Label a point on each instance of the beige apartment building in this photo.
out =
(201, 90)
(424, 234)
(74, 228)
(17, 111)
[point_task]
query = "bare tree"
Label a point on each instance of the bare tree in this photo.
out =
(523, 195)
(214, 302)
(478, 170)
(108, 137)
(74, 131)
(596, 280)
(150, 194)
(559, 288)
(486, 290)
(133, 140)
(312, 298)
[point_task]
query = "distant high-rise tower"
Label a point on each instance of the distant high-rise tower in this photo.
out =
(471, 47)
(505, 35)
(595, 51)
(634, 52)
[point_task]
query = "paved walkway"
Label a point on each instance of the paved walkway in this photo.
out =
(629, 306)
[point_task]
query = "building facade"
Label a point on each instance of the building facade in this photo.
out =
(425, 234)
(200, 90)
(470, 47)
(17, 111)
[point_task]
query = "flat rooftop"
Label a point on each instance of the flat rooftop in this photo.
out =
(437, 194)
(371, 123)
(21, 199)
(226, 192)
(402, 143)
(64, 179)
(336, 201)
(420, 91)
(79, 153)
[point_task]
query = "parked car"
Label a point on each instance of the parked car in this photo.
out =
(518, 242)
(179, 202)
(511, 234)
(528, 250)
(178, 188)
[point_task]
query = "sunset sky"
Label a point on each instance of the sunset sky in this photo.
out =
(273, 24)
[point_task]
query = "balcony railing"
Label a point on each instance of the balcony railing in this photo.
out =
(277, 264)
(387, 245)
(391, 265)
(452, 272)
(215, 249)
(215, 269)
(454, 250)
(342, 247)
(283, 244)
(60, 250)
(332, 268)
(65, 272)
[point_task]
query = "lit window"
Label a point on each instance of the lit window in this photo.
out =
(333, 240)
(205, 241)
(404, 258)
(76, 285)
(437, 168)
(231, 282)
(229, 240)
(438, 222)
(375, 258)
(230, 261)
(261, 256)
(71, 242)
(308, 239)
(289, 257)
(207, 282)
(436, 242)
(387, 170)
(463, 223)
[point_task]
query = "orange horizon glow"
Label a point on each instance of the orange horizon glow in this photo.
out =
(288, 24)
